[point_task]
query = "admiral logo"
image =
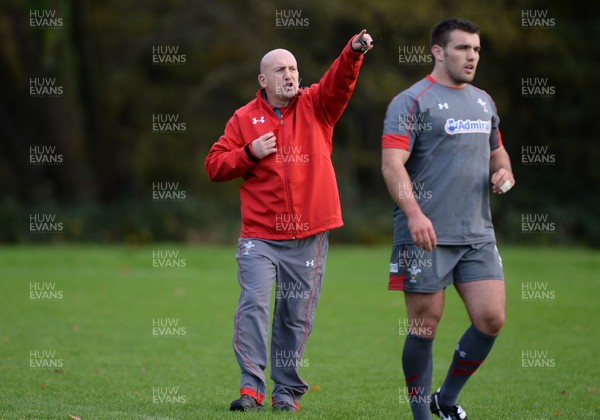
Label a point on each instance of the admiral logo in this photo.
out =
(167, 55)
(44, 19)
(44, 87)
(453, 126)
(414, 55)
(290, 19)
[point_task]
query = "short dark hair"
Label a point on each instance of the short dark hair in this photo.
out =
(440, 34)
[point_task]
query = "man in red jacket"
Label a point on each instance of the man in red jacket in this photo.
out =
(280, 143)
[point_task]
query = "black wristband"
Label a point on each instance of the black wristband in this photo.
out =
(249, 153)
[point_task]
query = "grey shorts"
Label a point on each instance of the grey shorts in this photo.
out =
(414, 270)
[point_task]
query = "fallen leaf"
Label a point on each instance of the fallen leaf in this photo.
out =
(315, 388)
(592, 390)
(564, 392)
(42, 386)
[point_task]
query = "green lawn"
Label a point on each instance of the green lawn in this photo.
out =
(93, 336)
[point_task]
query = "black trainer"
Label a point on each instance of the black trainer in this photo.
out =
(284, 406)
(245, 403)
(455, 412)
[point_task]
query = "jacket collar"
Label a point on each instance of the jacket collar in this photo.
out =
(260, 95)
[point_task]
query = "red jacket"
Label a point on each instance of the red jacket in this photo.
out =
(292, 193)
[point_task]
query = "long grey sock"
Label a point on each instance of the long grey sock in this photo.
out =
(471, 351)
(417, 363)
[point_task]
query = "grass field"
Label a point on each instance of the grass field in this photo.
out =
(87, 348)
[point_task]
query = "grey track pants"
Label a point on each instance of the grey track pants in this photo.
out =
(296, 268)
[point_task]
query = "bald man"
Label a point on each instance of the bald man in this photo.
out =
(280, 143)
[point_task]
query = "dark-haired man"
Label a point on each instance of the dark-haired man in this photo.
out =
(442, 153)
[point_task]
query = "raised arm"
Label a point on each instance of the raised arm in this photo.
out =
(335, 88)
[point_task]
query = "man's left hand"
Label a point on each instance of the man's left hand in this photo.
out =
(502, 181)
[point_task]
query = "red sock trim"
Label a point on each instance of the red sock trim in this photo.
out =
(411, 378)
(252, 393)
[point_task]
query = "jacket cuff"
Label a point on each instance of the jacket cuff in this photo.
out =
(250, 154)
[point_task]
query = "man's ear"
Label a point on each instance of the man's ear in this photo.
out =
(437, 52)
(262, 80)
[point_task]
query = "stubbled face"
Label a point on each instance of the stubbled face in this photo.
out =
(279, 76)
(460, 57)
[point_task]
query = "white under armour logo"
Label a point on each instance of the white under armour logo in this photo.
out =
(256, 120)
(310, 263)
(461, 353)
(442, 106)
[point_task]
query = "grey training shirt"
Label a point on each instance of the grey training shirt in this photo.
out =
(449, 133)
